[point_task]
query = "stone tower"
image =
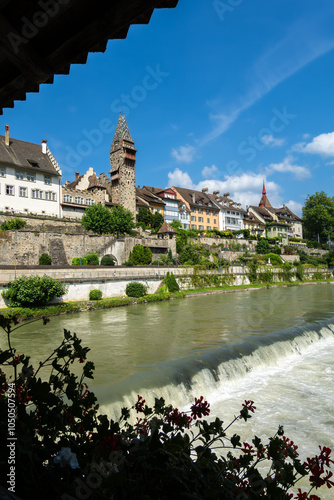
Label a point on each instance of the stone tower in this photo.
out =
(122, 171)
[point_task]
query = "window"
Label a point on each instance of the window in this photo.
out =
(200, 219)
(23, 192)
(37, 193)
(79, 200)
(208, 227)
(214, 213)
(47, 179)
(200, 227)
(228, 212)
(2, 172)
(170, 213)
(10, 190)
(19, 175)
(200, 210)
(30, 177)
(193, 218)
(193, 226)
(33, 163)
(208, 220)
(89, 201)
(67, 198)
(215, 221)
(49, 195)
(208, 212)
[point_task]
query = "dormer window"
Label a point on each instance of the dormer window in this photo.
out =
(33, 163)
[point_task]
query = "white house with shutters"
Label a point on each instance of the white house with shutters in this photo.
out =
(30, 178)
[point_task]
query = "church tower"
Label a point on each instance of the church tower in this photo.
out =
(264, 202)
(122, 171)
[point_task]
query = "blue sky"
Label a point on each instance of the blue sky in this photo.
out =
(219, 94)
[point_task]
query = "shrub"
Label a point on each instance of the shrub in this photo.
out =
(107, 261)
(318, 276)
(128, 263)
(79, 261)
(171, 283)
(44, 260)
(266, 277)
(263, 246)
(135, 289)
(95, 295)
(300, 272)
(12, 224)
(32, 291)
(92, 259)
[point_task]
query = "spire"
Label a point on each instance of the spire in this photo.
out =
(122, 133)
(264, 202)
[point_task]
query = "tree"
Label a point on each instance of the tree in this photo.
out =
(157, 220)
(263, 246)
(144, 216)
(121, 220)
(318, 216)
(33, 291)
(98, 219)
(140, 255)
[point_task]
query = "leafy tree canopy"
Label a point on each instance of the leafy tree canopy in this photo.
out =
(318, 216)
(99, 219)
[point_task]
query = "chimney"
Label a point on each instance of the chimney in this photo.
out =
(77, 175)
(44, 147)
(205, 190)
(193, 196)
(7, 136)
(216, 192)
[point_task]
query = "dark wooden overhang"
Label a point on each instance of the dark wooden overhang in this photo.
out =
(41, 39)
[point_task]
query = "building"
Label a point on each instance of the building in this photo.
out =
(122, 170)
(146, 198)
(204, 212)
(280, 222)
(30, 177)
(231, 215)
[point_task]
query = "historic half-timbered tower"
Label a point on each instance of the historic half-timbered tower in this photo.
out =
(122, 171)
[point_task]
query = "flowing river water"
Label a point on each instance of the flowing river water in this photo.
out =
(275, 347)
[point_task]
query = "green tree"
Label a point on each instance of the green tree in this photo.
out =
(121, 220)
(145, 216)
(318, 216)
(157, 220)
(98, 219)
(140, 255)
(12, 224)
(263, 246)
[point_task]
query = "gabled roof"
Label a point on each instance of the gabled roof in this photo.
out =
(195, 198)
(262, 212)
(31, 53)
(148, 196)
(28, 156)
(166, 228)
(250, 217)
(95, 182)
(226, 203)
(284, 213)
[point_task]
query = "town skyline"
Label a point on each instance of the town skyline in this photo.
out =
(213, 98)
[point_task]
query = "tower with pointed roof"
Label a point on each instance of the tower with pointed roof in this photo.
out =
(122, 170)
(264, 202)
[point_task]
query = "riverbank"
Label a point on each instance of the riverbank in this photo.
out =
(23, 313)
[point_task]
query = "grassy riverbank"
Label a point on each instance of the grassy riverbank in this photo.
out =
(22, 313)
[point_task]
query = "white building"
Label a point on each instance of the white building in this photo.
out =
(30, 177)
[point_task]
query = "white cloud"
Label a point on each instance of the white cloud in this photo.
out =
(330, 162)
(180, 179)
(184, 154)
(245, 188)
(322, 144)
(295, 207)
(300, 173)
(207, 172)
(272, 141)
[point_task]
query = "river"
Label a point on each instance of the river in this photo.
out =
(272, 346)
